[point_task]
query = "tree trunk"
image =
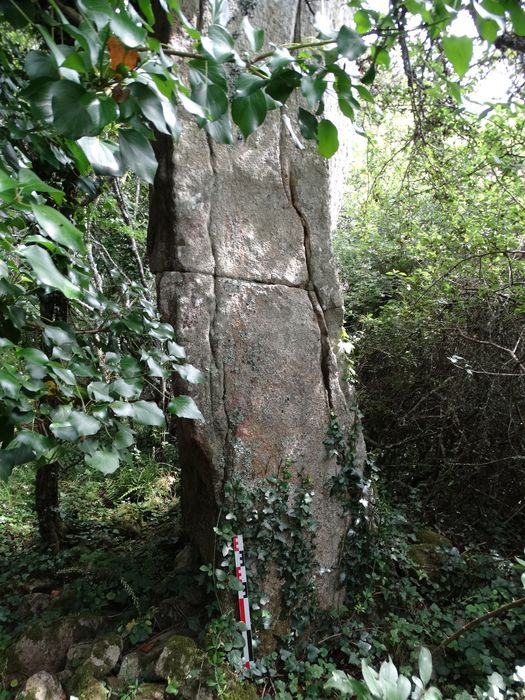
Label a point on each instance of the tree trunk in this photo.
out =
(47, 505)
(53, 308)
(239, 240)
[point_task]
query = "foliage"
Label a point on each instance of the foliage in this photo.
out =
(430, 255)
(388, 684)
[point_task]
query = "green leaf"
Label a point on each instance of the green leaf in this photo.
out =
(70, 116)
(84, 424)
(221, 130)
(307, 124)
(105, 461)
(30, 182)
(65, 375)
(349, 43)
(102, 155)
(313, 89)
(138, 154)
(362, 21)
(102, 112)
(425, 665)
(10, 458)
(364, 93)
(220, 12)
(371, 679)
(458, 50)
(282, 84)
(175, 350)
(190, 373)
(212, 98)
(488, 28)
(517, 17)
(130, 34)
(124, 438)
(130, 388)
(327, 140)
(46, 272)
(255, 36)
(39, 64)
(148, 413)
(150, 105)
(185, 407)
(218, 44)
(346, 107)
(249, 112)
(37, 443)
(99, 391)
(340, 682)
(58, 228)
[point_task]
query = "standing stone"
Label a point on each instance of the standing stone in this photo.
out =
(240, 243)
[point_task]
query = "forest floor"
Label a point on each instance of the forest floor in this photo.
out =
(125, 561)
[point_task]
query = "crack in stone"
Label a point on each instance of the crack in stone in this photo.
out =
(227, 456)
(236, 278)
(314, 295)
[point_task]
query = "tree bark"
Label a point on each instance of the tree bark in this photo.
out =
(47, 505)
(53, 307)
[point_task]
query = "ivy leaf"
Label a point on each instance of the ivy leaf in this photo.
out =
(307, 124)
(221, 130)
(105, 461)
(255, 36)
(312, 89)
(212, 98)
(218, 44)
(10, 458)
(190, 373)
(185, 407)
(340, 682)
(137, 154)
(58, 228)
(130, 388)
(458, 50)
(249, 112)
(150, 105)
(148, 413)
(327, 140)
(84, 424)
(46, 272)
(349, 43)
(220, 11)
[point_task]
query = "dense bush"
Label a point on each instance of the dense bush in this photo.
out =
(430, 256)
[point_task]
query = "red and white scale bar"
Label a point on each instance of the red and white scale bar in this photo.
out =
(244, 605)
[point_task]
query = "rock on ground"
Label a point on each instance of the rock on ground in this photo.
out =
(42, 686)
(45, 647)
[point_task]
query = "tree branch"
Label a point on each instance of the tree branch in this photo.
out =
(482, 618)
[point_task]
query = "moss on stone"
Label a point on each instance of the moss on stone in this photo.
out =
(92, 689)
(150, 691)
(241, 691)
(435, 539)
(179, 656)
